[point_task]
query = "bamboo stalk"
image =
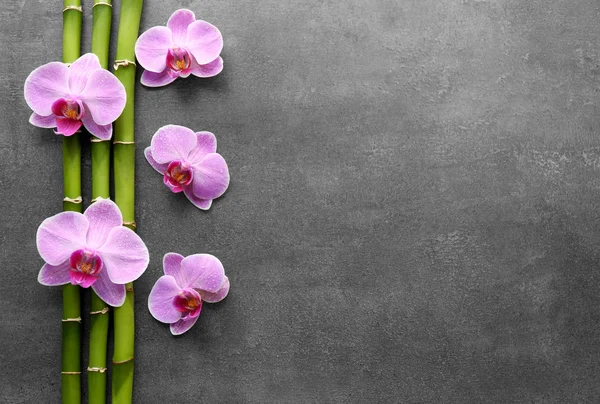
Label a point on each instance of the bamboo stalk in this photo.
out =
(124, 176)
(71, 328)
(100, 151)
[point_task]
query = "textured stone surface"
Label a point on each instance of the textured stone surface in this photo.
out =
(413, 214)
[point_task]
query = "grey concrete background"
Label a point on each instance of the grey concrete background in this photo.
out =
(412, 218)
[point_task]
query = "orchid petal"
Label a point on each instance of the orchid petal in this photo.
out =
(206, 143)
(43, 121)
(178, 24)
(160, 300)
(104, 97)
(111, 293)
(151, 48)
(152, 79)
(54, 275)
(103, 132)
(80, 71)
(183, 325)
(203, 271)
(204, 41)
(66, 126)
(60, 235)
(161, 168)
(103, 216)
(211, 177)
(172, 143)
(203, 204)
(218, 295)
(124, 254)
(210, 69)
(172, 267)
(45, 85)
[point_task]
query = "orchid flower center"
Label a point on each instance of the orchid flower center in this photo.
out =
(85, 261)
(85, 265)
(188, 302)
(67, 108)
(178, 59)
(179, 174)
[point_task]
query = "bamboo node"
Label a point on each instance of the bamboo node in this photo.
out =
(123, 361)
(123, 62)
(103, 311)
(70, 373)
(102, 3)
(73, 200)
(123, 142)
(96, 369)
(131, 224)
(72, 320)
(76, 8)
(96, 140)
(99, 198)
(129, 289)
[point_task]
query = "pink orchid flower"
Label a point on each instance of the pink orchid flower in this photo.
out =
(189, 162)
(66, 97)
(177, 297)
(91, 249)
(185, 46)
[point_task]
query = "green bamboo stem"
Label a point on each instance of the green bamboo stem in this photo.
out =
(71, 329)
(102, 19)
(124, 176)
(98, 341)
(100, 150)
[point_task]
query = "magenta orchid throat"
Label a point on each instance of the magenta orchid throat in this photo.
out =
(67, 97)
(185, 46)
(92, 249)
(177, 297)
(189, 163)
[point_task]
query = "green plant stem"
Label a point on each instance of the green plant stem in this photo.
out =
(98, 341)
(123, 366)
(71, 330)
(124, 175)
(98, 309)
(102, 18)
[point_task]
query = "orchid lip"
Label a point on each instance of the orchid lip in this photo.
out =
(178, 59)
(188, 302)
